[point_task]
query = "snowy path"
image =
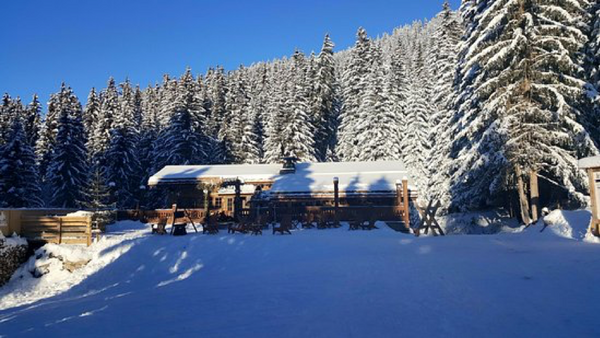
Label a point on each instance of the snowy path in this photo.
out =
(331, 283)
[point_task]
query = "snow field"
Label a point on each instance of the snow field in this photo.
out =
(331, 283)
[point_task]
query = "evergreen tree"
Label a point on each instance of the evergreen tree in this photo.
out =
(353, 80)
(67, 172)
(19, 184)
(324, 100)
(184, 140)
(91, 113)
(99, 139)
(98, 193)
(519, 106)
(298, 133)
(377, 132)
(121, 163)
(32, 121)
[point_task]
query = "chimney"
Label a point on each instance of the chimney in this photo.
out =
(289, 165)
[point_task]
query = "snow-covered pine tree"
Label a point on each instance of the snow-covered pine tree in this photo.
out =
(6, 117)
(415, 139)
(47, 139)
(32, 120)
(298, 131)
(446, 39)
(183, 141)
(595, 44)
(519, 108)
(122, 167)
(91, 112)
(19, 182)
(216, 92)
(99, 139)
(276, 116)
(377, 133)
(323, 103)
(353, 85)
(238, 135)
(67, 172)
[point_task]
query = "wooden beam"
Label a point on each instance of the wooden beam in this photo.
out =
(534, 193)
(405, 201)
(593, 197)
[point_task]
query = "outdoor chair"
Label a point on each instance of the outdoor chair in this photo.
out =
(284, 226)
(160, 227)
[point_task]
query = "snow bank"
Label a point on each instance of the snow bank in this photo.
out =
(574, 225)
(57, 268)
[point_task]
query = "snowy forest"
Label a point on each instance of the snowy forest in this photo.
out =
(475, 102)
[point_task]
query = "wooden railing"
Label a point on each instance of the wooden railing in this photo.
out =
(57, 229)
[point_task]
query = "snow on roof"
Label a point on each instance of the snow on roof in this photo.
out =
(589, 162)
(379, 176)
(309, 177)
(194, 173)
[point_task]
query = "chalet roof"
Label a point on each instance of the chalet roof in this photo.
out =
(193, 173)
(381, 176)
(589, 162)
(354, 177)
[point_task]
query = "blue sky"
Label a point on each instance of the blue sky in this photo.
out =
(83, 42)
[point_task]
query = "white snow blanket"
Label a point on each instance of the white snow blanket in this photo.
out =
(329, 283)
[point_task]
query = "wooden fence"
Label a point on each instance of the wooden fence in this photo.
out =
(57, 229)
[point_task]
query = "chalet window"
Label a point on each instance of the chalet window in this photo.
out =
(229, 204)
(243, 202)
(218, 203)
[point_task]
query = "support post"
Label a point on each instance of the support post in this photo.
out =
(237, 205)
(405, 198)
(207, 204)
(535, 195)
(336, 199)
(595, 226)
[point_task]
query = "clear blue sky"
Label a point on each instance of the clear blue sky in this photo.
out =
(83, 42)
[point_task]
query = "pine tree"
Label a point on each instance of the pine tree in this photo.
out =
(353, 87)
(91, 113)
(99, 139)
(276, 119)
(323, 104)
(98, 193)
(67, 172)
(46, 143)
(377, 133)
(184, 140)
(298, 133)
(446, 40)
(122, 164)
(416, 140)
(19, 183)
(519, 108)
(32, 121)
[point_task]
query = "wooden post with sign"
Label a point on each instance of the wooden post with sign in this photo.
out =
(592, 166)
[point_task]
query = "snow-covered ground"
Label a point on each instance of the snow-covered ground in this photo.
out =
(316, 283)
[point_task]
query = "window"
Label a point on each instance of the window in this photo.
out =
(218, 202)
(243, 202)
(229, 204)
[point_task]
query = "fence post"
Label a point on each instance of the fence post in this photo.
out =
(89, 231)
(406, 206)
(336, 200)
(59, 230)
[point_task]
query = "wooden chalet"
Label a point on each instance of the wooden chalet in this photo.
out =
(234, 190)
